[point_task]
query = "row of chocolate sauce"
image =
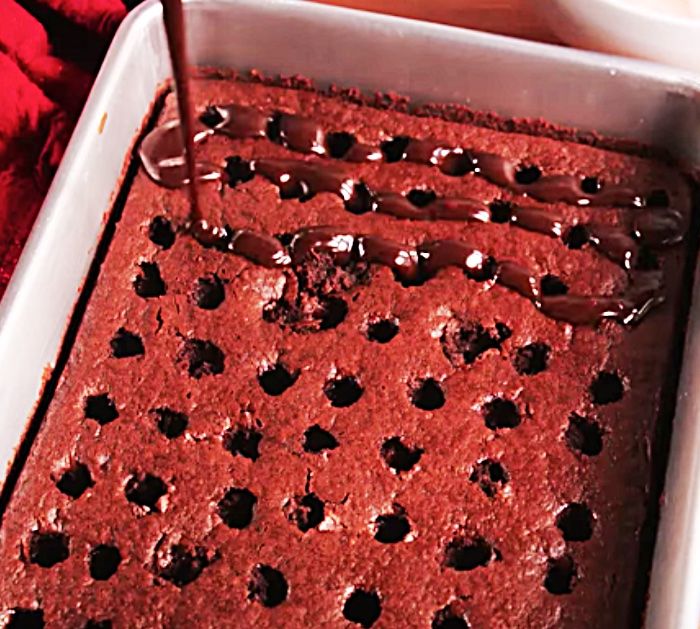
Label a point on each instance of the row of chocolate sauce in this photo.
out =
(652, 223)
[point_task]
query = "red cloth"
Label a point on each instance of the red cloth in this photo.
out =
(49, 52)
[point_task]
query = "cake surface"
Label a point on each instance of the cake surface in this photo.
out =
(330, 441)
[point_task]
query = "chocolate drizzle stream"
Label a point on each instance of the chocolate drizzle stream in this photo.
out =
(174, 20)
(413, 266)
(652, 223)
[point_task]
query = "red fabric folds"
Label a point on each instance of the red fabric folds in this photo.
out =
(48, 49)
(99, 16)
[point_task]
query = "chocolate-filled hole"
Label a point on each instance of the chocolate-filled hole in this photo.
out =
(149, 283)
(607, 388)
(48, 548)
(334, 310)
(104, 561)
(244, 442)
(362, 199)
(211, 117)
(285, 238)
(531, 359)
(145, 490)
(267, 586)
(339, 143)
(503, 331)
(421, 197)
(576, 521)
(484, 272)
(238, 171)
(316, 440)
(362, 608)
(584, 436)
(273, 129)
(101, 408)
(343, 391)
(577, 237)
(591, 185)
(237, 507)
(180, 565)
(464, 341)
(161, 232)
(428, 395)
(208, 292)
(276, 379)
(391, 528)
(306, 512)
(500, 211)
(526, 175)
(75, 481)
(98, 624)
(447, 618)
(170, 423)
(552, 286)
(561, 575)
(501, 413)
(394, 150)
(468, 553)
(382, 330)
(203, 358)
(23, 618)
(398, 456)
(126, 344)
(490, 475)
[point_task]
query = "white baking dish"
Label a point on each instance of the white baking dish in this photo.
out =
(663, 30)
(427, 62)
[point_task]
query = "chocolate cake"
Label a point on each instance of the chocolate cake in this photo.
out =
(408, 372)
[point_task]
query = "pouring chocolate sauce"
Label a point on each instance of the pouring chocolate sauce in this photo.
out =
(174, 19)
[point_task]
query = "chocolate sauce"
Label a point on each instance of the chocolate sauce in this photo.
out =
(651, 226)
(301, 179)
(174, 20)
(420, 264)
(304, 135)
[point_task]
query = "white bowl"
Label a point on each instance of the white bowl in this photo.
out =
(658, 31)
